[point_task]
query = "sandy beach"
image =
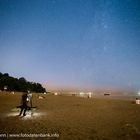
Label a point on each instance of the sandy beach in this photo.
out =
(71, 118)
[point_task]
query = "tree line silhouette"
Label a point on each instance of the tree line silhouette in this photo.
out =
(19, 84)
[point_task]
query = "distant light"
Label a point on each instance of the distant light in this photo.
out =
(89, 94)
(81, 93)
(5, 87)
(139, 93)
(12, 92)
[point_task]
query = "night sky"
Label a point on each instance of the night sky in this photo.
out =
(79, 44)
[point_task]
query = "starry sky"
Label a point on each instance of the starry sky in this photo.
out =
(81, 44)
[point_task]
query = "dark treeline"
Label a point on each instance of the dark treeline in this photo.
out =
(14, 84)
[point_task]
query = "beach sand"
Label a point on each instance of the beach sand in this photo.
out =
(72, 118)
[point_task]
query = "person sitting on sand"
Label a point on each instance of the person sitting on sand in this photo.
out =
(24, 104)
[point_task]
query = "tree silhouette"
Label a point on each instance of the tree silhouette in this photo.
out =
(21, 84)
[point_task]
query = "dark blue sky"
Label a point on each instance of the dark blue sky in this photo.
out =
(72, 43)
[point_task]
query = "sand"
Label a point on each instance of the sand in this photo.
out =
(71, 118)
